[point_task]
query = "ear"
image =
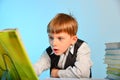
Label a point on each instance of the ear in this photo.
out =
(74, 39)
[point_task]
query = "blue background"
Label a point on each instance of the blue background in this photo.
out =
(99, 23)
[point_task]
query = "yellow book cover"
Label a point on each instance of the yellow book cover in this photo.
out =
(14, 61)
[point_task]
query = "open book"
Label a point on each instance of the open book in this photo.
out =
(14, 61)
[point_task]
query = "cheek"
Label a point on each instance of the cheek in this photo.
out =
(68, 43)
(65, 46)
(50, 42)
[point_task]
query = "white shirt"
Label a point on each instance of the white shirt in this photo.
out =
(80, 70)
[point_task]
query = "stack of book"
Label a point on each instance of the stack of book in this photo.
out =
(112, 59)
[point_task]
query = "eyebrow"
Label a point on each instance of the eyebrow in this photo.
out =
(57, 36)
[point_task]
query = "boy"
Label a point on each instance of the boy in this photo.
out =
(67, 56)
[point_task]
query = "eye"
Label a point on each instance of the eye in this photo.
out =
(51, 38)
(60, 38)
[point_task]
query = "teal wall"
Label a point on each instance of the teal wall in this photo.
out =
(98, 23)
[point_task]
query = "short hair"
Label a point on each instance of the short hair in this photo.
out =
(63, 23)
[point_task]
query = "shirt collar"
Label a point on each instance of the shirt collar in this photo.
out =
(71, 49)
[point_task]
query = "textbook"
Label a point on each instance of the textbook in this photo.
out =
(113, 71)
(117, 66)
(111, 61)
(113, 77)
(113, 52)
(14, 61)
(113, 45)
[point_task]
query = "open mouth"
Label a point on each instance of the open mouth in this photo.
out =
(55, 50)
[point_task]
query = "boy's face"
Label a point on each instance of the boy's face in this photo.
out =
(60, 42)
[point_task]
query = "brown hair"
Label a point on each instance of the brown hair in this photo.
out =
(63, 23)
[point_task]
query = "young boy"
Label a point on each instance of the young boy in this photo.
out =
(67, 56)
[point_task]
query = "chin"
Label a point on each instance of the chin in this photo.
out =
(58, 54)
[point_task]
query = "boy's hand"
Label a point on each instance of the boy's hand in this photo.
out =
(54, 73)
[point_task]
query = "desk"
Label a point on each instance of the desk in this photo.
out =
(74, 79)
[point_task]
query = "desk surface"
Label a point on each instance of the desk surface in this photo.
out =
(74, 79)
